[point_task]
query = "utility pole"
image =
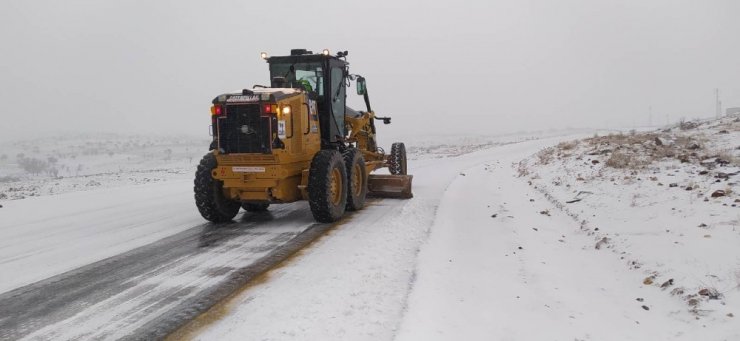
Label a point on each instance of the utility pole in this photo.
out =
(717, 103)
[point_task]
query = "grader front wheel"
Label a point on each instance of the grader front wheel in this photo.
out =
(327, 186)
(397, 159)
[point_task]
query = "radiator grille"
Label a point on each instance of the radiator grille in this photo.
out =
(242, 130)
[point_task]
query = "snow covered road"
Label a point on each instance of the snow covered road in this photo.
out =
(133, 262)
(354, 283)
(147, 292)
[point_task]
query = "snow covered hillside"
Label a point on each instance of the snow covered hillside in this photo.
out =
(71, 163)
(666, 205)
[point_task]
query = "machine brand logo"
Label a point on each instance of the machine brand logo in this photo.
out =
(243, 98)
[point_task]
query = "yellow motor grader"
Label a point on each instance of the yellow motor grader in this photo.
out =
(297, 140)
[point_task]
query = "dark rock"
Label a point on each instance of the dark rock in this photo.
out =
(494, 215)
(673, 185)
(667, 283)
(704, 172)
(689, 188)
(723, 131)
(594, 161)
(677, 291)
(640, 299)
(718, 193)
(722, 162)
(711, 293)
(645, 307)
(601, 243)
(702, 225)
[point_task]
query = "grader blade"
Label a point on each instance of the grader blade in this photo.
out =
(390, 186)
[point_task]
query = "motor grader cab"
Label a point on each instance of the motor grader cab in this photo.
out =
(297, 140)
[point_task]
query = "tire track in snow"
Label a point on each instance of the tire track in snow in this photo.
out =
(148, 292)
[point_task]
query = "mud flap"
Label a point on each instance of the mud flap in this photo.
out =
(390, 186)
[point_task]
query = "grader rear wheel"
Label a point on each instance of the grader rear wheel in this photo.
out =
(357, 179)
(209, 196)
(327, 186)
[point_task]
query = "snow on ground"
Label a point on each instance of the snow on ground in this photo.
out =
(488, 248)
(72, 163)
(353, 283)
(48, 235)
(664, 205)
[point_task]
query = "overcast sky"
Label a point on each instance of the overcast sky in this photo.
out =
(435, 66)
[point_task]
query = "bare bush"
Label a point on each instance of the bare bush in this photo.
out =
(567, 145)
(545, 156)
(522, 168)
(619, 159)
(33, 165)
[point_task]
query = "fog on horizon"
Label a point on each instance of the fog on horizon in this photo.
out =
(436, 67)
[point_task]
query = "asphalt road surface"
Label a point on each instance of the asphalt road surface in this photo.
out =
(150, 291)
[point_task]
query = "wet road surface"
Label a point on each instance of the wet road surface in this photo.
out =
(148, 292)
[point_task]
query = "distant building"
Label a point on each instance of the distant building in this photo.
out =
(732, 111)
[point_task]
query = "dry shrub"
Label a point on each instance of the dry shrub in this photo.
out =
(619, 159)
(729, 156)
(545, 156)
(567, 145)
(687, 125)
(523, 168)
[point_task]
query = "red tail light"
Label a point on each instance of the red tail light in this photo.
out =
(216, 110)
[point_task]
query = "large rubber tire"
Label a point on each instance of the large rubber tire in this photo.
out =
(397, 161)
(209, 196)
(249, 207)
(327, 186)
(356, 179)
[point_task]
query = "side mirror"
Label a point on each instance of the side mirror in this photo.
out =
(361, 86)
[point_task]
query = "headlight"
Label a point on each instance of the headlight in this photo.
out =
(263, 55)
(325, 52)
(286, 110)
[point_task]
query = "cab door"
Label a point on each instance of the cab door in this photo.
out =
(338, 98)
